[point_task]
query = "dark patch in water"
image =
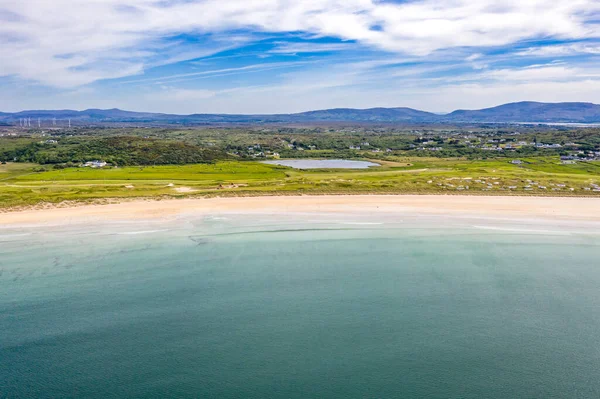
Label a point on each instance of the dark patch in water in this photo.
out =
(281, 231)
(199, 240)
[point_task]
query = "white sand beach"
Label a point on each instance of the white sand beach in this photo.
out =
(549, 208)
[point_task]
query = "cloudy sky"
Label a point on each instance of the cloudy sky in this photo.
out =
(270, 56)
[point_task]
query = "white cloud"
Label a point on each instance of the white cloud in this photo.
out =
(294, 48)
(473, 61)
(68, 43)
(473, 57)
(562, 50)
(182, 77)
(539, 73)
(444, 98)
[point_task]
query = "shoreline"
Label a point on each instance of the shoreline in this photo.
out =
(513, 207)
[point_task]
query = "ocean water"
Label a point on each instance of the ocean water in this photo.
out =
(323, 163)
(301, 306)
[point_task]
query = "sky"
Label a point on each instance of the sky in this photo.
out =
(280, 56)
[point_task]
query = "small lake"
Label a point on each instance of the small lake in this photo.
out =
(323, 163)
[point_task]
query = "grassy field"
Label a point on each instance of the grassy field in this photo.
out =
(20, 185)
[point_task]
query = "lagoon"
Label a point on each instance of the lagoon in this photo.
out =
(323, 163)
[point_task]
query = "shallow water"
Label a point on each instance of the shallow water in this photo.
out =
(312, 305)
(323, 163)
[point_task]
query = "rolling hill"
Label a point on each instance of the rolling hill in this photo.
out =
(528, 112)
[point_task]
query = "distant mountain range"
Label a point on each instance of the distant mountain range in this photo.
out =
(527, 112)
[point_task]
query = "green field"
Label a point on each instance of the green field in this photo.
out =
(20, 185)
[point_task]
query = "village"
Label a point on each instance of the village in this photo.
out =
(447, 145)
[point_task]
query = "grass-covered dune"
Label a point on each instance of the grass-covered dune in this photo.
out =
(21, 185)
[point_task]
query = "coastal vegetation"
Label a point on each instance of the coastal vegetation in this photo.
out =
(24, 184)
(162, 146)
(87, 164)
(123, 150)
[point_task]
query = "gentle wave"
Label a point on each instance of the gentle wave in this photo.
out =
(276, 231)
(3, 236)
(521, 230)
(362, 223)
(130, 233)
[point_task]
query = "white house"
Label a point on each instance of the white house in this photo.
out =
(95, 164)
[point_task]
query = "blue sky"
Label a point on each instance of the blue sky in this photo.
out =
(272, 56)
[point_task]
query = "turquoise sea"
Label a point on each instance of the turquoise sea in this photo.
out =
(301, 306)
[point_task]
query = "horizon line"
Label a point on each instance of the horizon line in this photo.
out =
(300, 112)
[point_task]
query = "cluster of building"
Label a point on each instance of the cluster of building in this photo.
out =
(435, 143)
(256, 151)
(573, 157)
(95, 164)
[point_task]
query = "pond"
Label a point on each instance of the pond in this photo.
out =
(323, 163)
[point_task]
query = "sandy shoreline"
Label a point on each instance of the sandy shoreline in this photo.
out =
(548, 208)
